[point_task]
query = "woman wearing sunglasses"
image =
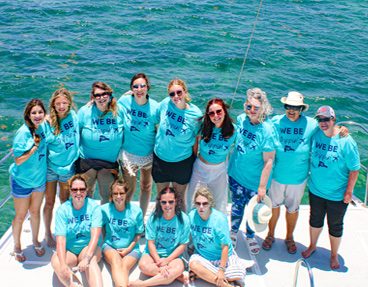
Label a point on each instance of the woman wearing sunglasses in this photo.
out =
(167, 233)
(334, 171)
(101, 131)
(139, 111)
(123, 224)
(77, 228)
(215, 261)
(251, 163)
(210, 170)
(176, 144)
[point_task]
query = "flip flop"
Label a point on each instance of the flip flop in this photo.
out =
(234, 239)
(290, 246)
(252, 245)
(40, 251)
(19, 256)
(267, 243)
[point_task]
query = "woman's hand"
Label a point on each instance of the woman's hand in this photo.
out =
(123, 251)
(36, 139)
(220, 277)
(128, 93)
(347, 197)
(83, 264)
(65, 271)
(162, 262)
(164, 270)
(47, 119)
(261, 193)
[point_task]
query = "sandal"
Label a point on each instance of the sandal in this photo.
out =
(252, 245)
(267, 243)
(40, 251)
(234, 239)
(290, 246)
(19, 256)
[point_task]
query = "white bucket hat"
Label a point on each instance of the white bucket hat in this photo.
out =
(295, 99)
(258, 214)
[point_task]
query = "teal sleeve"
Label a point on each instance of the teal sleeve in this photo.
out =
(97, 217)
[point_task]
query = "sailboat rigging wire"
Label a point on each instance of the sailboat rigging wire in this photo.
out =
(246, 54)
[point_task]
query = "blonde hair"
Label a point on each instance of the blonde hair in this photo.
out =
(120, 182)
(205, 192)
(261, 96)
(181, 83)
(113, 106)
(55, 120)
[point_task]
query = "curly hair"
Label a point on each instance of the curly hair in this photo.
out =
(181, 83)
(120, 182)
(55, 120)
(205, 192)
(27, 112)
(157, 213)
(141, 76)
(261, 96)
(207, 125)
(113, 104)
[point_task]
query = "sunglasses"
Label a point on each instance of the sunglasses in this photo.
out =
(323, 120)
(164, 202)
(249, 107)
(119, 193)
(213, 113)
(99, 96)
(141, 85)
(81, 190)
(172, 94)
(199, 204)
(294, 108)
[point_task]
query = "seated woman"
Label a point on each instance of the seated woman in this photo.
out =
(167, 233)
(77, 228)
(123, 223)
(215, 260)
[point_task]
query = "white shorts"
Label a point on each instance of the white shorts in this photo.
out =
(132, 163)
(292, 194)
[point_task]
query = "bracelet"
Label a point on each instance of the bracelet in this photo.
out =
(262, 187)
(87, 257)
(222, 268)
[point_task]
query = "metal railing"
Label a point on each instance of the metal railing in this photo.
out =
(298, 263)
(9, 195)
(362, 166)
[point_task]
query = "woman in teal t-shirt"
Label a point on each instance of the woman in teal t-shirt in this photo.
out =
(78, 223)
(123, 223)
(167, 233)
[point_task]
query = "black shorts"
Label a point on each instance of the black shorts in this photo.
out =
(178, 172)
(335, 211)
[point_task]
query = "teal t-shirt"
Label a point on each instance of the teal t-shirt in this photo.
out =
(101, 138)
(63, 149)
(168, 234)
(332, 161)
(246, 162)
(32, 172)
(139, 125)
(122, 226)
(291, 165)
(208, 235)
(177, 131)
(76, 225)
(216, 150)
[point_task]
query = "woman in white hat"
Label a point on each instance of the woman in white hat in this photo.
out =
(334, 171)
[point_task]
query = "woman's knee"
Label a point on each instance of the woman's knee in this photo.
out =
(194, 265)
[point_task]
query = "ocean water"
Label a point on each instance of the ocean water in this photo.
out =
(318, 48)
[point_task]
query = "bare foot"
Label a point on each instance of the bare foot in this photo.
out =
(136, 283)
(334, 262)
(183, 278)
(50, 242)
(308, 252)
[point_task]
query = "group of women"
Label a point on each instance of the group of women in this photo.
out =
(179, 148)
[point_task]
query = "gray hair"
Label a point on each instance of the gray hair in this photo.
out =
(261, 96)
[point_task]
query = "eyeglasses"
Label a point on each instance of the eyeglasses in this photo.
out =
(164, 202)
(172, 94)
(141, 85)
(294, 108)
(204, 204)
(249, 107)
(104, 94)
(81, 190)
(213, 113)
(323, 120)
(119, 193)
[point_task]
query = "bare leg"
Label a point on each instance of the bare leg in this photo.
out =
(314, 234)
(91, 177)
(50, 194)
(93, 272)
(120, 267)
(64, 192)
(71, 261)
(161, 185)
(335, 243)
(273, 221)
(131, 181)
(182, 189)
(145, 183)
(105, 179)
(21, 206)
(34, 209)
(205, 274)
(291, 219)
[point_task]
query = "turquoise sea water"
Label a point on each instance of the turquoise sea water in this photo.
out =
(318, 48)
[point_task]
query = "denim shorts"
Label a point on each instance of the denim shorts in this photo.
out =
(51, 175)
(22, 192)
(132, 253)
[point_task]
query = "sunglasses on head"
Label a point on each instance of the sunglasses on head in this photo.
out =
(323, 120)
(213, 113)
(164, 202)
(172, 94)
(104, 94)
(81, 190)
(249, 107)
(204, 204)
(141, 85)
(294, 108)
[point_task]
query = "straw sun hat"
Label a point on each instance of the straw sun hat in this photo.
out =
(295, 99)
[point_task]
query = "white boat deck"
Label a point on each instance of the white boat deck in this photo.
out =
(271, 268)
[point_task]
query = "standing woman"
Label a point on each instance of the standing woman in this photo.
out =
(62, 152)
(28, 174)
(251, 163)
(177, 138)
(215, 261)
(334, 171)
(77, 228)
(101, 131)
(210, 170)
(139, 112)
(167, 233)
(123, 223)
